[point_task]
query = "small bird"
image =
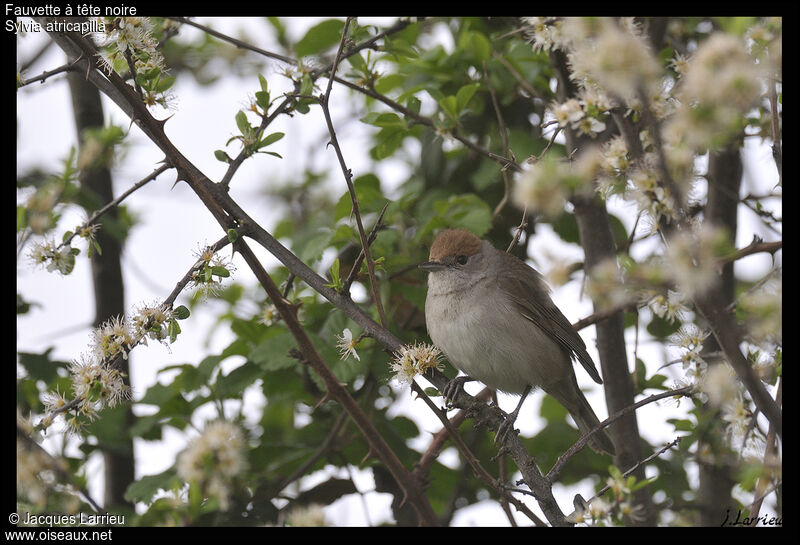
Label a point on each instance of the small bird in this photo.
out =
(492, 316)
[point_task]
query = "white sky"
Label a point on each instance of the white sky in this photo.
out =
(174, 223)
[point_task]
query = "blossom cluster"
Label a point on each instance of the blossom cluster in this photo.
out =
(413, 360)
(699, 100)
(96, 381)
(129, 44)
(209, 270)
(213, 460)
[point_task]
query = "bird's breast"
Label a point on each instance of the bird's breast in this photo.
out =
(482, 334)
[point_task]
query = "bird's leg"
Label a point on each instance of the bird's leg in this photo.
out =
(508, 423)
(454, 387)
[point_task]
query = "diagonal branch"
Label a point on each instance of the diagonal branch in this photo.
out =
(471, 459)
(335, 390)
(580, 443)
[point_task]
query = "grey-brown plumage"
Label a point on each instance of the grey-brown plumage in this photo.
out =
(492, 316)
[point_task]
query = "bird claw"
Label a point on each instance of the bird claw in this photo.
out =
(505, 428)
(452, 389)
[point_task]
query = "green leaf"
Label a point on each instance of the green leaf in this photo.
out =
(450, 106)
(320, 37)
(566, 226)
(220, 271)
(552, 410)
(96, 245)
(336, 282)
(262, 99)
(181, 312)
(158, 395)
(386, 83)
(464, 95)
(271, 139)
(234, 383)
(242, 123)
(173, 330)
(40, 366)
(477, 45)
(369, 195)
(662, 328)
(682, 424)
(164, 83)
(358, 63)
(466, 211)
(326, 492)
(618, 230)
(222, 156)
(272, 353)
(384, 119)
(387, 142)
(146, 487)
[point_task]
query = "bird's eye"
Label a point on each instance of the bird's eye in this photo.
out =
(462, 259)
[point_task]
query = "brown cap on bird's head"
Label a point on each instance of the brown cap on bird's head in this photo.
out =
(454, 242)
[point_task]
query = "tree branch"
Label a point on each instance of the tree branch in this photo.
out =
(335, 390)
(555, 471)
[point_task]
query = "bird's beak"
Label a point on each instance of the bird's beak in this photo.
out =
(431, 266)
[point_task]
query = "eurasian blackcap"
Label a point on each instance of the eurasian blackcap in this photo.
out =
(492, 316)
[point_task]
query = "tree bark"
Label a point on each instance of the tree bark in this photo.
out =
(598, 245)
(716, 482)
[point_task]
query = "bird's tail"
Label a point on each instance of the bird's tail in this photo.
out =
(586, 419)
(577, 405)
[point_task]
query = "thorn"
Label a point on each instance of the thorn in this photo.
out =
(405, 498)
(370, 454)
(163, 122)
(326, 397)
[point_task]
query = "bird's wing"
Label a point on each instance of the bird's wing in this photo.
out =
(517, 277)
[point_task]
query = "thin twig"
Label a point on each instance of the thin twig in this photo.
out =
(523, 224)
(555, 471)
(56, 467)
(44, 75)
(522, 81)
(506, 149)
(348, 177)
(422, 120)
(99, 213)
(640, 463)
(238, 43)
(769, 460)
(316, 455)
(472, 460)
(360, 258)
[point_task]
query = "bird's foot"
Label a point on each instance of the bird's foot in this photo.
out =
(453, 388)
(508, 424)
(507, 427)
